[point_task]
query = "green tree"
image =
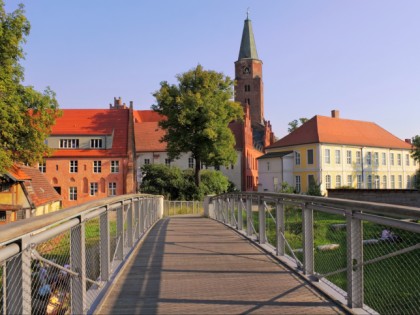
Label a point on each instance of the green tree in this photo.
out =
(415, 151)
(295, 124)
(198, 110)
(26, 116)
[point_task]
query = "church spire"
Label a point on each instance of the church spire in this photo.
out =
(248, 48)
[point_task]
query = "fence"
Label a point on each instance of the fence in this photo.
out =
(364, 255)
(63, 262)
(182, 207)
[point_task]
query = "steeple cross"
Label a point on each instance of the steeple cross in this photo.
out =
(247, 13)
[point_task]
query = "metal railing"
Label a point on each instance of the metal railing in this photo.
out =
(364, 255)
(178, 207)
(63, 262)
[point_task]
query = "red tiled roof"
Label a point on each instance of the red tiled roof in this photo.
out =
(79, 122)
(141, 116)
(40, 192)
(17, 173)
(148, 135)
(322, 129)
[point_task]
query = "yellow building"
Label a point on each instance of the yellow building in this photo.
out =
(24, 193)
(337, 152)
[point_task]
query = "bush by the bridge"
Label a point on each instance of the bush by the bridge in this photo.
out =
(176, 184)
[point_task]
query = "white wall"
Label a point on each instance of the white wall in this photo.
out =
(276, 169)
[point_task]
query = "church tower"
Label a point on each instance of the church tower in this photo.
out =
(248, 76)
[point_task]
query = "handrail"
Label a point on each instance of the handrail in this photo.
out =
(360, 250)
(80, 238)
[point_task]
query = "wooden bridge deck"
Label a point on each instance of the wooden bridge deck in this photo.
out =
(194, 265)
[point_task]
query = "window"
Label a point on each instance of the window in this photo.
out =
(247, 88)
(97, 166)
(393, 181)
(168, 162)
(112, 189)
(297, 184)
(399, 159)
(311, 180)
(42, 167)
(391, 158)
(349, 180)
(96, 143)
(275, 183)
(268, 166)
(3, 216)
(400, 181)
(146, 161)
(359, 181)
(358, 157)
(383, 158)
(376, 186)
(384, 183)
(93, 189)
(408, 181)
(115, 166)
(327, 156)
(407, 159)
(248, 101)
(73, 193)
(348, 157)
(310, 154)
(327, 181)
(69, 143)
(369, 158)
(338, 181)
(369, 182)
(73, 166)
(337, 157)
(376, 158)
(190, 162)
(297, 158)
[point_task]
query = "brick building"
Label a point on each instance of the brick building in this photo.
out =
(93, 154)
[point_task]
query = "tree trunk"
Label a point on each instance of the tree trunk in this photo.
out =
(197, 172)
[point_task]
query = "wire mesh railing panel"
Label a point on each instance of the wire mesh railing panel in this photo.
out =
(172, 208)
(92, 254)
(50, 284)
(391, 271)
(293, 231)
(2, 280)
(113, 236)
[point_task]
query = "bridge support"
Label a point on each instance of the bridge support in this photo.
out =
(261, 217)
(280, 249)
(308, 240)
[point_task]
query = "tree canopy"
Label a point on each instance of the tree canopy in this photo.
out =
(26, 116)
(415, 152)
(293, 125)
(198, 110)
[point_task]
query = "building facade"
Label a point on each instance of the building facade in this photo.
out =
(337, 153)
(24, 193)
(92, 154)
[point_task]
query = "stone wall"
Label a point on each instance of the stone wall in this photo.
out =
(405, 197)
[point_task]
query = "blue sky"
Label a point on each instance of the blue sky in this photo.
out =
(361, 57)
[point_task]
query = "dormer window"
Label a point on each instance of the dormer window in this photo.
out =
(69, 143)
(96, 143)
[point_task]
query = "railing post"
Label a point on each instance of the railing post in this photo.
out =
(261, 220)
(18, 283)
(280, 250)
(105, 247)
(136, 209)
(130, 224)
(78, 264)
(354, 261)
(120, 232)
(141, 210)
(240, 222)
(249, 216)
(308, 240)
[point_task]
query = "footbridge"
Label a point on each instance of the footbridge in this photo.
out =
(236, 254)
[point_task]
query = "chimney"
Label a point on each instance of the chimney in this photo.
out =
(408, 141)
(335, 113)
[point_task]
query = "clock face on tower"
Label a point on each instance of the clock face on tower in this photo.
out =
(246, 70)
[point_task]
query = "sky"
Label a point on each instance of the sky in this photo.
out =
(361, 57)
